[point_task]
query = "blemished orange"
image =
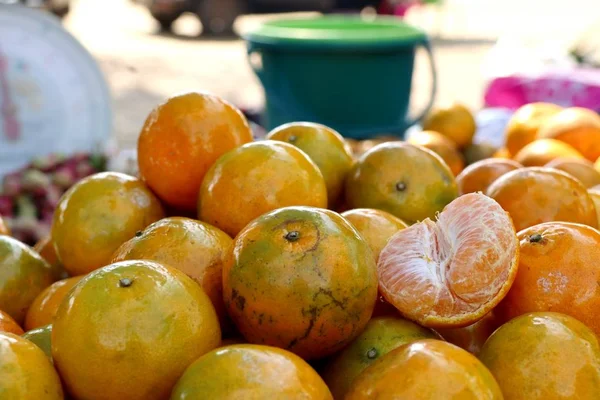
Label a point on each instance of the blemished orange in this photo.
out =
(257, 178)
(543, 356)
(375, 226)
(535, 195)
(325, 147)
(451, 272)
(181, 139)
(140, 322)
(472, 337)
(559, 270)
(424, 370)
(455, 121)
(8, 324)
(525, 123)
(442, 146)
(3, 227)
(579, 168)
(479, 176)
(579, 127)
(98, 214)
(45, 248)
(250, 372)
(408, 181)
(541, 151)
(44, 307)
(300, 278)
(25, 371)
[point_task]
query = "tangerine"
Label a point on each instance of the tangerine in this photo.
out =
(454, 121)
(44, 307)
(45, 248)
(41, 337)
(579, 168)
(479, 176)
(472, 337)
(525, 123)
(595, 195)
(541, 151)
(479, 151)
(502, 153)
(442, 146)
(8, 324)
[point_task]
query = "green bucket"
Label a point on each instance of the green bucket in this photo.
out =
(349, 73)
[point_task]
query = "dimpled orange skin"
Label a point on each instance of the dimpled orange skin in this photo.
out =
(535, 195)
(424, 370)
(25, 371)
(129, 330)
(581, 169)
(3, 227)
(472, 337)
(45, 248)
(302, 279)
(44, 307)
(559, 270)
(193, 247)
(181, 139)
(250, 372)
(8, 324)
(442, 146)
(544, 356)
(97, 215)
(541, 151)
(525, 123)
(257, 178)
(479, 176)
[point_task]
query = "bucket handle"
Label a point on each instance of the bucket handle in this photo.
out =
(427, 45)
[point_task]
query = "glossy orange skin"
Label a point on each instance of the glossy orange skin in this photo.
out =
(525, 123)
(442, 146)
(257, 178)
(581, 169)
(595, 195)
(3, 227)
(543, 356)
(423, 370)
(454, 121)
(44, 307)
(472, 337)
(45, 248)
(193, 247)
(541, 151)
(479, 176)
(181, 139)
(25, 371)
(8, 324)
(41, 337)
(250, 372)
(311, 293)
(135, 326)
(535, 195)
(558, 271)
(97, 215)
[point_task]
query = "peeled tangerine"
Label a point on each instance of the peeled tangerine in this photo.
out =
(451, 272)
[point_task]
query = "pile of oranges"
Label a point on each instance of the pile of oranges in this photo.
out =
(306, 266)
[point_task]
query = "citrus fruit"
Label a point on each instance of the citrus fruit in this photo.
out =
(408, 181)
(140, 322)
(257, 178)
(25, 371)
(479, 176)
(502, 153)
(535, 195)
(442, 146)
(375, 226)
(302, 279)
(44, 307)
(544, 356)
(250, 372)
(3, 227)
(478, 151)
(24, 274)
(472, 337)
(454, 121)
(96, 215)
(181, 139)
(595, 195)
(8, 324)
(540, 152)
(325, 147)
(525, 123)
(559, 270)
(41, 337)
(45, 248)
(424, 370)
(579, 168)
(579, 127)
(451, 272)
(381, 335)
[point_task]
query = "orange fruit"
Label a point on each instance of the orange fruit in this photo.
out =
(44, 307)
(451, 272)
(3, 227)
(472, 337)
(542, 356)
(454, 121)
(525, 123)
(579, 127)
(380, 336)
(595, 195)
(302, 279)
(479, 176)
(442, 146)
(257, 178)
(479, 151)
(41, 337)
(540, 152)
(181, 139)
(140, 322)
(24, 274)
(535, 195)
(45, 248)
(423, 370)
(502, 153)
(408, 181)
(579, 168)
(375, 226)
(250, 372)
(96, 215)
(193, 247)
(25, 371)
(8, 324)
(559, 270)
(325, 147)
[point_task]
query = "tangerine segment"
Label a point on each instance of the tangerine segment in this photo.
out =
(454, 271)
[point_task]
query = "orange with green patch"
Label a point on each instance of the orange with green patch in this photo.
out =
(41, 337)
